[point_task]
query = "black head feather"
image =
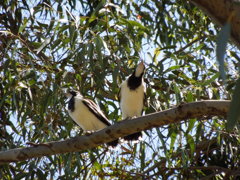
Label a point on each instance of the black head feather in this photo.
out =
(73, 92)
(71, 102)
(135, 81)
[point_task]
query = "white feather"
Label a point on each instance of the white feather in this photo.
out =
(131, 102)
(85, 118)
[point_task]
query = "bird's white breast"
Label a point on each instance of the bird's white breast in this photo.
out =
(131, 102)
(85, 118)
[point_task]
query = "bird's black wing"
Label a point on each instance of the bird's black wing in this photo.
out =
(96, 111)
(99, 114)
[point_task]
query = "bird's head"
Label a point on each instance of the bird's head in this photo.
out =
(72, 93)
(139, 69)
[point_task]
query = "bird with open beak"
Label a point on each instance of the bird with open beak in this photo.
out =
(132, 95)
(87, 114)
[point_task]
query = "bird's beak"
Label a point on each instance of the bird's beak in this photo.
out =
(141, 64)
(140, 69)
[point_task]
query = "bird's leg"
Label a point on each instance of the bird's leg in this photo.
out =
(128, 118)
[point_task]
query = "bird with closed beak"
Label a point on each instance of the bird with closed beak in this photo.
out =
(132, 95)
(87, 114)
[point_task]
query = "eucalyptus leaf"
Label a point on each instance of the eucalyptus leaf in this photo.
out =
(234, 113)
(222, 40)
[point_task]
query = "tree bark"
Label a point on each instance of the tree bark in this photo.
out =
(182, 112)
(221, 12)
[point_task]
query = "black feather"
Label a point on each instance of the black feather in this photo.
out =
(71, 104)
(98, 114)
(113, 143)
(92, 108)
(134, 82)
(134, 136)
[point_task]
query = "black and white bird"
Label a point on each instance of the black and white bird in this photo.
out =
(87, 114)
(132, 95)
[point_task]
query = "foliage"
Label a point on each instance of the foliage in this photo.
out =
(92, 46)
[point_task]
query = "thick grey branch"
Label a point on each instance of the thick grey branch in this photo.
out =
(182, 112)
(221, 11)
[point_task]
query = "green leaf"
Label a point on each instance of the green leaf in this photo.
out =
(63, 28)
(173, 68)
(97, 166)
(74, 37)
(161, 137)
(142, 155)
(92, 18)
(234, 54)
(207, 82)
(137, 24)
(56, 43)
(156, 54)
(51, 25)
(44, 44)
(99, 45)
(90, 52)
(222, 40)
(173, 139)
(134, 24)
(234, 112)
(40, 174)
(191, 143)
(191, 124)
(23, 26)
(177, 92)
(189, 97)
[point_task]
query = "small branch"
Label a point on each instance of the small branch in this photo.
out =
(221, 12)
(123, 128)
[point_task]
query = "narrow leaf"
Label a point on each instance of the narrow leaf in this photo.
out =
(209, 81)
(191, 124)
(45, 43)
(191, 143)
(222, 39)
(24, 24)
(156, 53)
(234, 113)
(173, 139)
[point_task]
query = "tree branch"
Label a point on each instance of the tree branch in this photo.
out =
(182, 112)
(222, 11)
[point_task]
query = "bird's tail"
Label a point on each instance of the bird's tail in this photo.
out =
(133, 137)
(113, 143)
